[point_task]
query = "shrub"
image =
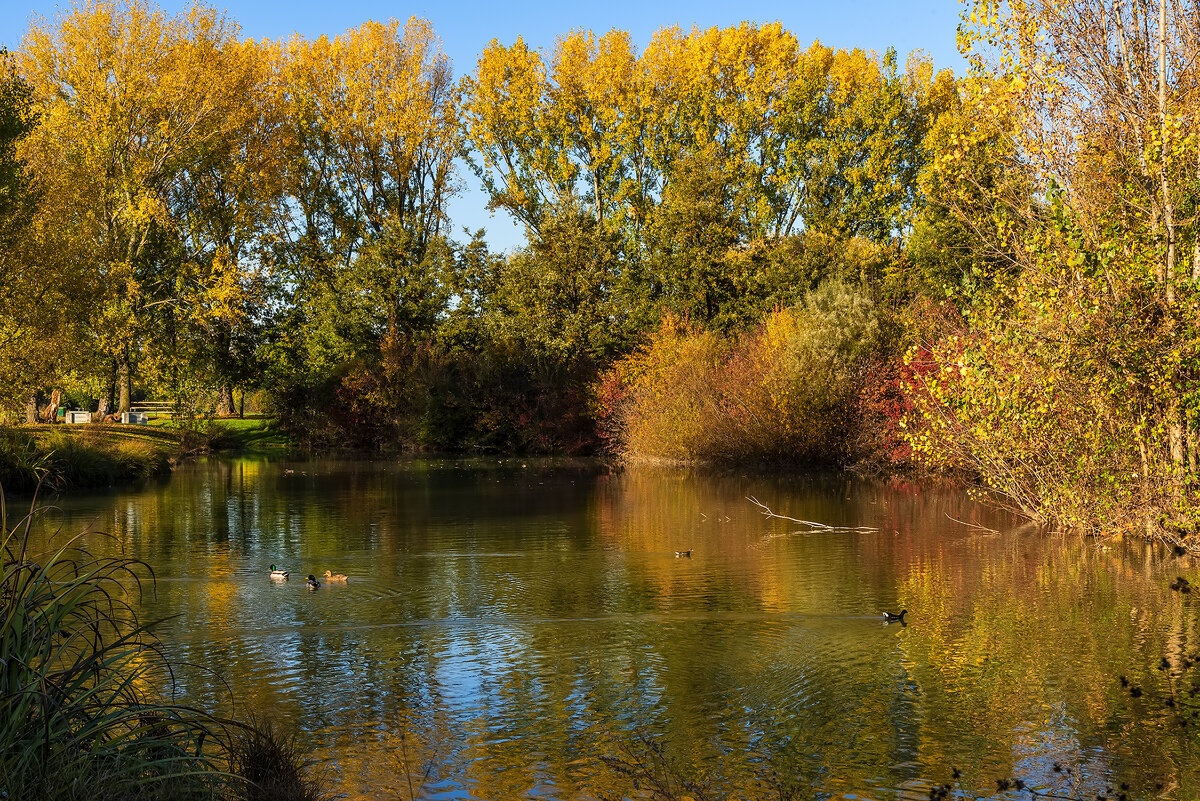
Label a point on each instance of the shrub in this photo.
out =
(1058, 401)
(783, 392)
(270, 764)
(424, 398)
(885, 409)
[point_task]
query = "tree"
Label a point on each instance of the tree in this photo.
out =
(806, 140)
(128, 98)
(228, 205)
(1076, 394)
(370, 137)
(17, 120)
(568, 299)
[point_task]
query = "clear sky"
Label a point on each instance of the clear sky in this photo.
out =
(466, 27)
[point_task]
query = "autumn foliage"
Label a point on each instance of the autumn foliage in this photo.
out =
(739, 246)
(784, 392)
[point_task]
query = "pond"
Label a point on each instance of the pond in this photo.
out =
(526, 629)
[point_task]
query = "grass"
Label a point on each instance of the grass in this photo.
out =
(255, 433)
(63, 457)
(82, 713)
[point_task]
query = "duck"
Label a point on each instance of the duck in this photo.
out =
(279, 574)
(892, 617)
(331, 576)
(683, 554)
(312, 582)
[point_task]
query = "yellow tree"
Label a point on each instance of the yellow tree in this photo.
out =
(128, 97)
(227, 206)
(35, 264)
(372, 133)
(1105, 98)
(508, 120)
(1100, 99)
(589, 108)
(795, 133)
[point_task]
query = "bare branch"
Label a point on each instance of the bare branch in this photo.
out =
(975, 526)
(813, 526)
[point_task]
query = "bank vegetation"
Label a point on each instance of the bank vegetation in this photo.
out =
(740, 247)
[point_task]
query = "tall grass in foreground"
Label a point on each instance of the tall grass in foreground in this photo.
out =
(82, 715)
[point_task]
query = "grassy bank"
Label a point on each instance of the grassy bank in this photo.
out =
(254, 434)
(81, 693)
(82, 456)
(64, 457)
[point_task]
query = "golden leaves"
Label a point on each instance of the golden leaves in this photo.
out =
(384, 100)
(595, 123)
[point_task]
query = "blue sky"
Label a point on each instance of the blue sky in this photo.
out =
(467, 27)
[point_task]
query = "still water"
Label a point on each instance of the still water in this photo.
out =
(524, 629)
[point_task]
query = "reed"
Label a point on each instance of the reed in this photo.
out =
(79, 679)
(82, 708)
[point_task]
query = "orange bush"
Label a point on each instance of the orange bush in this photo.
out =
(782, 392)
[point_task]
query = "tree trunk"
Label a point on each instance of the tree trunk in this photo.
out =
(1190, 440)
(1168, 205)
(31, 408)
(124, 387)
(1196, 242)
(51, 412)
(110, 390)
(225, 402)
(1177, 438)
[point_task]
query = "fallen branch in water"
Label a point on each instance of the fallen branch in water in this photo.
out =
(975, 526)
(813, 526)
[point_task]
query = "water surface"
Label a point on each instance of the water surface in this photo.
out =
(524, 629)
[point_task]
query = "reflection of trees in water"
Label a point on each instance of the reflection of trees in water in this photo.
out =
(516, 622)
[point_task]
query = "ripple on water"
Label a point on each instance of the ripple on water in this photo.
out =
(505, 626)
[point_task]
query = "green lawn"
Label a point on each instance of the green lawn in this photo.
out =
(229, 433)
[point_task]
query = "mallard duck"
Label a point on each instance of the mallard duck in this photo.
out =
(278, 574)
(312, 582)
(892, 617)
(331, 576)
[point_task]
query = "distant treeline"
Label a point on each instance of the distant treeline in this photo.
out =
(738, 247)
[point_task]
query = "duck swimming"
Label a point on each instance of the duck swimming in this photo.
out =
(331, 576)
(891, 617)
(312, 582)
(279, 575)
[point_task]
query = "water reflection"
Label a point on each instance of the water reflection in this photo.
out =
(507, 624)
